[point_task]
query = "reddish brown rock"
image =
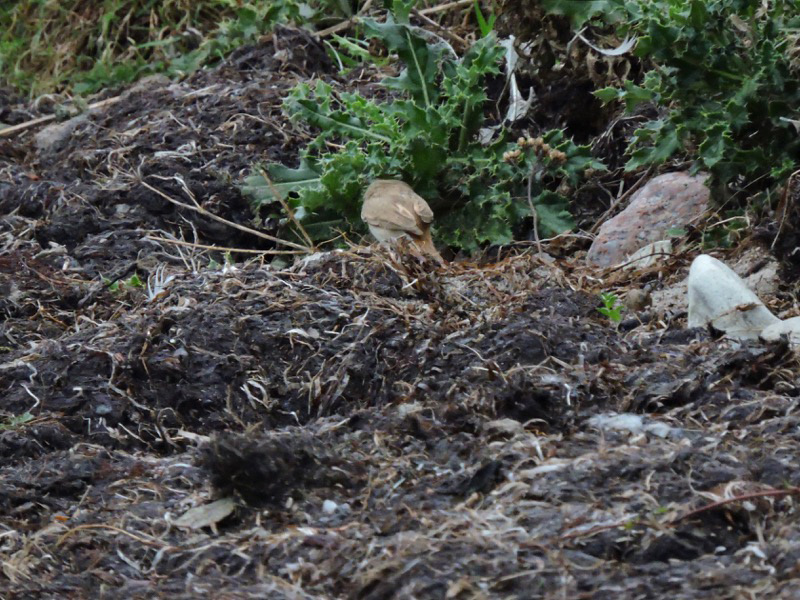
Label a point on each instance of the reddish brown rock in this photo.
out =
(667, 201)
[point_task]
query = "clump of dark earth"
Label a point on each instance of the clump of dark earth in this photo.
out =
(265, 471)
(386, 428)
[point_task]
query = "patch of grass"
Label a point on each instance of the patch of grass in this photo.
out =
(82, 46)
(485, 25)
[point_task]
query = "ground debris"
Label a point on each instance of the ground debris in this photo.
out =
(386, 427)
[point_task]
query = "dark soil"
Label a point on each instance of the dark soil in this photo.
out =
(385, 428)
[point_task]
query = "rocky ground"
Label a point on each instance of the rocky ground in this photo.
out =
(358, 424)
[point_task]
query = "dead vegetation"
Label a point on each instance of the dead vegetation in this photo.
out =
(386, 429)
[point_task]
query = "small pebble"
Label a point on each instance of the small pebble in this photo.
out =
(636, 299)
(329, 507)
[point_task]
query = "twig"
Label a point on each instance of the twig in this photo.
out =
(38, 121)
(751, 496)
(785, 203)
(593, 530)
(286, 207)
(636, 260)
(444, 30)
(335, 28)
(691, 513)
(533, 211)
(74, 530)
(211, 215)
(353, 20)
(344, 24)
(220, 248)
(621, 198)
(447, 6)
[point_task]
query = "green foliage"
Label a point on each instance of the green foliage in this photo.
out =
(401, 9)
(120, 285)
(15, 421)
(245, 25)
(486, 26)
(611, 308)
(351, 53)
(580, 11)
(676, 232)
(134, 281)
(84, 46)
(727, 77)
(427, 135)
(727, 232)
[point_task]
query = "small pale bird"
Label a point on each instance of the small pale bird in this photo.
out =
(393, 210)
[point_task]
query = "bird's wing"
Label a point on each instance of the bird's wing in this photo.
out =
(397, 212)
(423, 211)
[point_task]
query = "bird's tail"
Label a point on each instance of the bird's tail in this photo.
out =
(425, 243)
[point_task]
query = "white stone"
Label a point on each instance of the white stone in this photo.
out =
(54, 137)
(789, 327)
(759, 270)
(207, 514)
(632, 423)
(670, 299)
(504, 426)
(329, 507)
(648, 255)
(718, 296)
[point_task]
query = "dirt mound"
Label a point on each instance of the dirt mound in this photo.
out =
(386, 429)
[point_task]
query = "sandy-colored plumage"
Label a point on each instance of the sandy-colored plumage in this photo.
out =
(392, 210)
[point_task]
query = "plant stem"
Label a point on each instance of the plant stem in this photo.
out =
(533, 210)
(420, 73)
